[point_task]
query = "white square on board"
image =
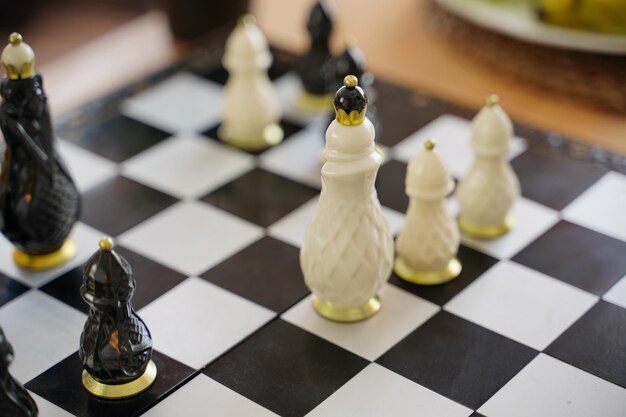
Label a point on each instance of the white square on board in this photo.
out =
(187, 166)
(191, 237)
(377, 391)
(521, 304)
(42, 330)
(549, 387)
(197, 321)
(602, 207)
(86, 239)
(401, 313)
(183, 102)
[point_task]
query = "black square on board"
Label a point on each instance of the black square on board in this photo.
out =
(260, 196)
(286, 369)
(457, 359)
(596, 343)
(474, 264)
(289, 129)
(401, 112)
(152, 278)
(117, 138)
(579, 256)
(61, 385)
(554, 180)
(9, 289)
(266, 272)
(390, 186)
(118, 204)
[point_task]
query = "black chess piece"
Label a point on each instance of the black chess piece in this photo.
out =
(115, 346)
(352, 62)
(311, 65)
(39, 202)
(14, 399)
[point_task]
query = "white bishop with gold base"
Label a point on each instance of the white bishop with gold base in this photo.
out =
(489, 190)
(427, 246)
(347, 253)
(251, 109)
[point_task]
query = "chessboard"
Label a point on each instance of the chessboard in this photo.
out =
(535, 325)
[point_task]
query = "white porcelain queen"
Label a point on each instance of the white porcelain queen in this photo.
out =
(347, 253)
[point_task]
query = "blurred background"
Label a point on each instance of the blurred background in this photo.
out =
(568, 80)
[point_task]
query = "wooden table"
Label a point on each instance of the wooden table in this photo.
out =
(396, 42)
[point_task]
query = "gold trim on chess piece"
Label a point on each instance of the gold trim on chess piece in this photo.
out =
(119, 391)
(272, 135)
(47, 261)
(483, 231)
(329, 311)
(404, 271)
(315, 103)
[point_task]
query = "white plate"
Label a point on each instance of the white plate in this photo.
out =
(519, 21)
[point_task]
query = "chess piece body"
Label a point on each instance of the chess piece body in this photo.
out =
(115, 346)
(39, 202)
(251, 108)
(311, 66)
(347, 253)
(487, 193)
(427, 246)
(14, 399)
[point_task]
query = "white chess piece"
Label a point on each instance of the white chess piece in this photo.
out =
(251, 109)
(347, 253)
(489, 190)
(427, 246)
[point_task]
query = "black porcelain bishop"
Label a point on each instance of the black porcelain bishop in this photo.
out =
(115, 346)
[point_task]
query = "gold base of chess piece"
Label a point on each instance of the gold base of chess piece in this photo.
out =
(329, 311)
(404, 271)
(47, 261)
(315, 103)
(119, 391)
(482, 231)
(272, 135)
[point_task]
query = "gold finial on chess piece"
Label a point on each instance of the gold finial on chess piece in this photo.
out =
(247, 19)
(18, 58)
(429, 145)
(106, 244)
(350, 81)
(492, 100)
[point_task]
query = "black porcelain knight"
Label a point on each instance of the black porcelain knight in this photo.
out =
(39, 202)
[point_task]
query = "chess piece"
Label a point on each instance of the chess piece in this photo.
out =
(311, 66)
(427, 246)
(352, 61)
(14, 399)
(347, 253)
(115, 346)
(251, 108)
(488, 191)
(39, 202)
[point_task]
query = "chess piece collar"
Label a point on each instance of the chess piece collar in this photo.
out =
(350, 102)
(18, 58)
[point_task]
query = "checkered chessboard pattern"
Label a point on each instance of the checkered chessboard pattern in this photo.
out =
(534, 326)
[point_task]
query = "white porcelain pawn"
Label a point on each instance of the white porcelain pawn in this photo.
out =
(488, 191)
(347, 253)
(251, 109)
(427, 246)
